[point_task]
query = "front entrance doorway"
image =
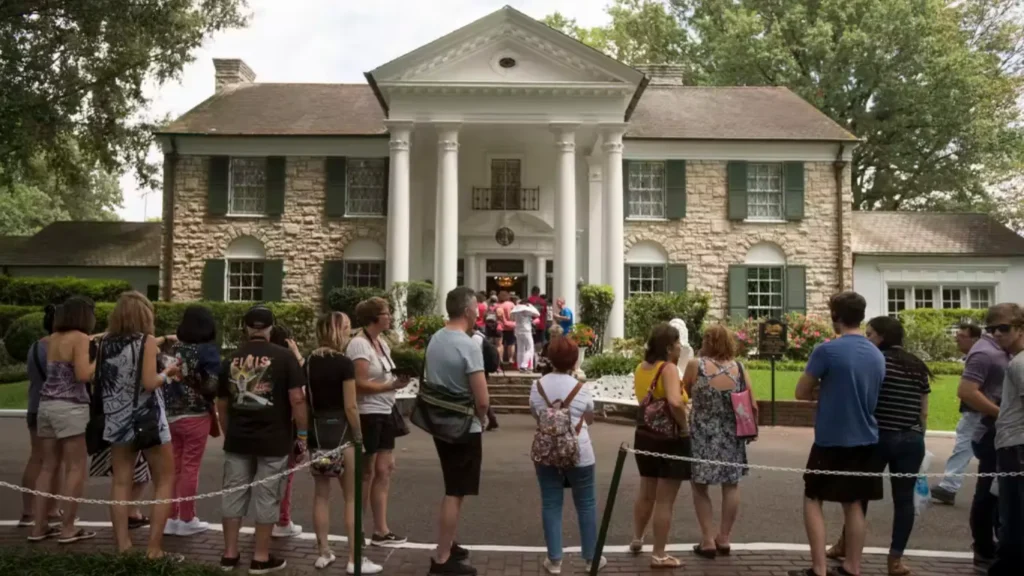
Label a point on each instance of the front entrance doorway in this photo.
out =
(509, 275)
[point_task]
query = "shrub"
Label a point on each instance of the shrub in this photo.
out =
(582, 335)
(22, 333)
(937, 368)
(43, 291)
(595, 307)
(643, 312)
(608, 364)
(14, 373)
(9, 313)
(929, 333)
(419, 328)
(23, 561)
(804, 332)
(629, 347)
(408, 360)
(346, 298)
(420, 298)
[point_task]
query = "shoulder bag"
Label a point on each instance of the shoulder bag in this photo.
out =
(330, 428)
(743, 408)
(94, 442)
(445, 416)
(654, 415)
(145, 422)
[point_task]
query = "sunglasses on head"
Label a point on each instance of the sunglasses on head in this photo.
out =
(1004, 328)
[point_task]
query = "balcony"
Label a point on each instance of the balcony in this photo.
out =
(506, 198)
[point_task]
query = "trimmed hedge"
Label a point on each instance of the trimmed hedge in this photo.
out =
(346, 298)
(929, 331)
(14, 560)
(408, 360)
(14, 373)
(617, 364)
(10, 313)
(22, 333)
(644, 311)
(42, 291)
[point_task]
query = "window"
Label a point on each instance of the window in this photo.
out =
(645, 279)
(764, 192)
(153, 292)
(646, 190)
(245, 281)
(247, 186)
(924, 298)
(506, 183)
(951, 297)
(981, 297)
(364, 274)
(897, 301)
(764, 292)
(460, 272)
(366, 192)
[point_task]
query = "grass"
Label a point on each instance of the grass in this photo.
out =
(37, 562)
(943, 406)
(14, 396)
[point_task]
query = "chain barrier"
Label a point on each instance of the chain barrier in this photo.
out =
(309, 462)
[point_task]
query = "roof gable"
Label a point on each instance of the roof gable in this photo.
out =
(933, 233)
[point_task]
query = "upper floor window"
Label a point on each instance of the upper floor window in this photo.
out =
(765, 197)
(366, 185)
(247, 186)
(646, 189)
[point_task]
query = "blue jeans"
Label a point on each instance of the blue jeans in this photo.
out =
(985, 506)
(1010, 554)
(584, 495)
(962, 453)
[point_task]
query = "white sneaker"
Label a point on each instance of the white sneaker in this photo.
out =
(289, 531)
(172, 527)
(324, 560)
(192, 527)
(553, 567)
(369, 567)
(600, 565)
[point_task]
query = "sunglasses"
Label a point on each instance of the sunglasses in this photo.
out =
(1004, 328)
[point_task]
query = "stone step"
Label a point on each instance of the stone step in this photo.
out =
(509, 400)
(512, 389)
(501, 409)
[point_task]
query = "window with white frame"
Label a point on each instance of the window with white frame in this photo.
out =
(646, 189)
(764, 292)
(645, 279)
(366, 274)
(897, 301)
(764, 192)
(947, 297)
(245, 281)
(247, 186)
(506, 183)
(366, 184)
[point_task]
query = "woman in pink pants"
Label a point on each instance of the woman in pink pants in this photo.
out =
(189, 412)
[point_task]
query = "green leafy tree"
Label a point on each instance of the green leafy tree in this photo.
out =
(73, 74)
(641, 31)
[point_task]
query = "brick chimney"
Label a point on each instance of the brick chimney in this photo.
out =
(230, 72)
(663, 74)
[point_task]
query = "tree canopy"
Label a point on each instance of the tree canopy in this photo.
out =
(930, 86)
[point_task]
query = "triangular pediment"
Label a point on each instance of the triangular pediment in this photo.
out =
(505, 47)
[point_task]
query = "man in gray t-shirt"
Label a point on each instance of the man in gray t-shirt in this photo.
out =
(1008, 332)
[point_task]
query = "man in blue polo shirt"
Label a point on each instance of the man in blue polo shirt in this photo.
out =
(845, 376)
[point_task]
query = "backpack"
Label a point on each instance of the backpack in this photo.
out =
(492, 362)
(491, 318)
(555, 443)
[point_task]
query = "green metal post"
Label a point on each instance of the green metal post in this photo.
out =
(609, 504)
(357, 550)
(773, 390)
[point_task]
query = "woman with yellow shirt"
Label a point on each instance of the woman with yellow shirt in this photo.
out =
(660, 478)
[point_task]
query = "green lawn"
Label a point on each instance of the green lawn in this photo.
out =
(14, 395)
(943, 406)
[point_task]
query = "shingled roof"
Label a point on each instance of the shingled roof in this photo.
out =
(669, 112)
(932, 233)
(88, 244)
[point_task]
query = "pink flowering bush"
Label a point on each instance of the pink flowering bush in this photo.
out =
(804, 332)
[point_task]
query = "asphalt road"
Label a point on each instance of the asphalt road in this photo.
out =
(508, 510)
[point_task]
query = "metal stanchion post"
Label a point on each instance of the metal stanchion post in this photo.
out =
(357, 550)
(773, 390)
(609, 504)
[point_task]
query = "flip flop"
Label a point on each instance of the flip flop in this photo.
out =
(78, 536)
(636, 546)
(665, 562)
(50, 533)
(722, 550)
(709, 554)
(134, 523)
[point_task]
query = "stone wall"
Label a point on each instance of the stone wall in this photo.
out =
(708, 242)
(303, 236)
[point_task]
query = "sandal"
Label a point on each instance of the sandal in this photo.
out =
(636, 546)
(837, 551)
(722, 550)
(705, 553)
(134, 523)
(50, 533)
(78, 536)
(665, 562)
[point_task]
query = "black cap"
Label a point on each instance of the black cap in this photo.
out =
(258, 317)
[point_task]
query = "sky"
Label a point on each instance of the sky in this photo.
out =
(326, 41)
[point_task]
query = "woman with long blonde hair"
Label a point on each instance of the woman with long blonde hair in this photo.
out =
(333, 424)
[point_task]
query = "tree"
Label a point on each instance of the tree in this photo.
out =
(641, 31)
(73, 73)
(929, 85)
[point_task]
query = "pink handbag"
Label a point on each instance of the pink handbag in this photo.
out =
(743, 408)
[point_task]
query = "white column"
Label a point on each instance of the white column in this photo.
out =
(472, 273)
(595, 225)
(613, 228)
(541, 279)
(398, 204)
(565, 215)
(446, 235)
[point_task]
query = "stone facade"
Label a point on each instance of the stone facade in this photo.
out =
(303, 237)
(708, 242)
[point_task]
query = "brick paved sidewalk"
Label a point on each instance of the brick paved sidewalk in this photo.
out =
(301, 553)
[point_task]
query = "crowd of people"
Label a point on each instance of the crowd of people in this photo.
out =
(117, 394)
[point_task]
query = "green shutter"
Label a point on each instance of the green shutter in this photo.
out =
(217, 181)
(625, 280)
(737, 184)
(625, 189)
(333, 276)
(387, 184)
(675, 278)
(275, 184)
(335, 170)
(793, 180)
(796, 289)
(273, 280)
(738, 292)
(675, 189)
(213, 280)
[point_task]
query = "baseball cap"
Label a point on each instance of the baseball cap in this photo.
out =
(258, 317)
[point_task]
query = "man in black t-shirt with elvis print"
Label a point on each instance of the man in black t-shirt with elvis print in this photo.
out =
(259, 396)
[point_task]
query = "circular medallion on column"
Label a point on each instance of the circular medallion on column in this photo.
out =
(504, 236)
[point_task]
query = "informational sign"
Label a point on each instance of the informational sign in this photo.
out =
(771, 338)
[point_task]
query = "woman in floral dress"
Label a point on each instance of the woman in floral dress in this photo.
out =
(711, 379)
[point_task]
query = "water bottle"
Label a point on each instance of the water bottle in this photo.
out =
(922, 492)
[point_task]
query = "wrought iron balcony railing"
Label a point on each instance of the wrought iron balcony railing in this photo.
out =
(506, 198)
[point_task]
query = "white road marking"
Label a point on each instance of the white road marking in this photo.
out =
(749, 547)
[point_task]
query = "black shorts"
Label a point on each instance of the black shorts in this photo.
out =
(655, 467)
(460, 465)
(508, 338)
(379, 432)
(32, 419)
(844, 489)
